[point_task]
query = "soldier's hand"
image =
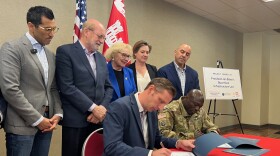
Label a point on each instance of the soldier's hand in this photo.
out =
(197, 133)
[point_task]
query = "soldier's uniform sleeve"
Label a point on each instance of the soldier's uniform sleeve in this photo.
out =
(208, 125)
(166, 122)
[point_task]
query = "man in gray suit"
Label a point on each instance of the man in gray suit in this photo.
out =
(27, 80)
(85, 89)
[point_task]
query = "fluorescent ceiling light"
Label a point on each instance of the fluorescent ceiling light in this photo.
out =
(267, 0)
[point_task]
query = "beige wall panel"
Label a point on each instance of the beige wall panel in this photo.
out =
(251, 78)
(274, 79)
(265, 65)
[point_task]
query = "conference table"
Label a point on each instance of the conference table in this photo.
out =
(272, 144)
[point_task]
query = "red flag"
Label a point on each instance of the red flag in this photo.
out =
(116, 29)
(80, 18)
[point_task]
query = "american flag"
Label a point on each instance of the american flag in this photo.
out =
(80, 18)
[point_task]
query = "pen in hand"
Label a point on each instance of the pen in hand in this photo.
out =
(161, 144)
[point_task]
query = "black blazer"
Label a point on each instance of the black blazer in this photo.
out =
(152, 70)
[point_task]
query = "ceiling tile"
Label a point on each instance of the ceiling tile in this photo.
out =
(171, 1)
(258, 12)
(233, 16)
(210, 6)
(240, 3)
(217, 19)
(238, 28)
(275, 6)
(252, 26)
(272, 23)
(191, 8)
(240, 15)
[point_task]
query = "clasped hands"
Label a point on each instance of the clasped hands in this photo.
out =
(49, 124)
(97, 115)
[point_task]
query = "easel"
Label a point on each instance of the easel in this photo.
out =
(220, 64)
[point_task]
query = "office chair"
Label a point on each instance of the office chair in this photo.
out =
(93, 145)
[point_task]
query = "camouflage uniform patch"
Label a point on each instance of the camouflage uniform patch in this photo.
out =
(175, 122)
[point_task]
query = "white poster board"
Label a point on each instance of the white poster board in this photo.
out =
(222, 83)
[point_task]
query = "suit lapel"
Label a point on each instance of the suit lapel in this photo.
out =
(81, 53)
(28, 46)
(136, 113)
(127, 84)
(113, 79)
(175, 76)
(134, 73)
(51, 66)
(150, 130)
(188, 78)
(150, 71)
(98, 65)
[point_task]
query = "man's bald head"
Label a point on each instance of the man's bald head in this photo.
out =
(193, 101)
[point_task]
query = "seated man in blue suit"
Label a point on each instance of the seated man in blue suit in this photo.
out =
(131, 124)
(182, 76)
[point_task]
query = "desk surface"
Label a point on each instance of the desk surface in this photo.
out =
(273, 145)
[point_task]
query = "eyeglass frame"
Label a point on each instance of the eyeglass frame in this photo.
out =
(100, 37)
(125, 56)
(49, 29)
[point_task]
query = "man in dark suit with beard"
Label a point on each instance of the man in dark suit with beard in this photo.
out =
(85, 90)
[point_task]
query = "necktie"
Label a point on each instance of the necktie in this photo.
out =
(142, 117)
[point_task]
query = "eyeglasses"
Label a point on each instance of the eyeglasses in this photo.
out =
(124, 55)
(49, 29)
(100, 37)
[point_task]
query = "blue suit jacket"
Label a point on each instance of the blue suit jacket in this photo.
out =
(168, 71)
(129, 84)
(123, 133)
(79, 88)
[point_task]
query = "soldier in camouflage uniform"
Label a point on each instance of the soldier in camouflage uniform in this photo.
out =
(185, 118)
